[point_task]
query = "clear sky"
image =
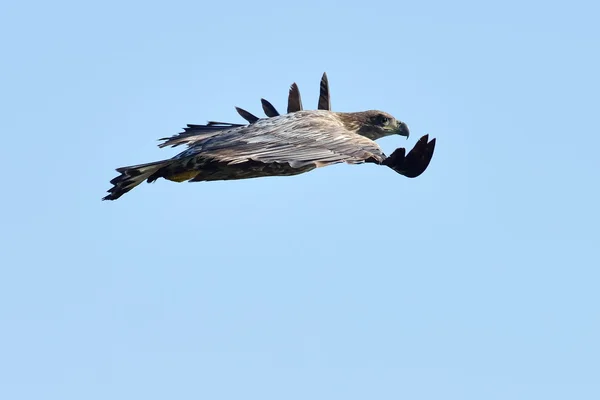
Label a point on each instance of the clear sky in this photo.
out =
(478, 280)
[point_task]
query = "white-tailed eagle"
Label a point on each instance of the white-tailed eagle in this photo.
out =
(279, 145)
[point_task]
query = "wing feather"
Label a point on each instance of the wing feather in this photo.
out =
(268, 108)
(299, 139)
(192, 133)
(294, 99)
(248, 116)
(324, 100)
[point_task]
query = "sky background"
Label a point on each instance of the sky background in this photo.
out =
(478, 280)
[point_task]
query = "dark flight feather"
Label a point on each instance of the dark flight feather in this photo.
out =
(324, 100)
(251, 118)
(193, 130)
(294, 99)
(268, 108)
(415, 162)
(211, 126)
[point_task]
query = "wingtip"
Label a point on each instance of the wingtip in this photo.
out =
(431, 146)
(251, 118)
(416, 161)
(294, 99)
(268, 108)
(324, 98)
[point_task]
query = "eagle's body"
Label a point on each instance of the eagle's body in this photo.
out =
(282, 145)
(302, 138)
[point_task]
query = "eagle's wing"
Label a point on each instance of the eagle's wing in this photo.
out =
(415, 162)
(294, 102)
(299, 139)
(197, 132)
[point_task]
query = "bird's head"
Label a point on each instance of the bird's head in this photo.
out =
(374, 124)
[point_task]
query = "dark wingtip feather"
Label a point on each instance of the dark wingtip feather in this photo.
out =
(251, 118)
(294, 99)
(324, 98)
(269, 109)
(416, 161)
(212, 125)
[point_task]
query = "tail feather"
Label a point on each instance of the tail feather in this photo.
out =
(132, 176)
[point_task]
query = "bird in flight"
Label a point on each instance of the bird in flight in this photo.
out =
(279, 145)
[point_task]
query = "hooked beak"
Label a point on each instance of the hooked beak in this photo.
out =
(402, 129)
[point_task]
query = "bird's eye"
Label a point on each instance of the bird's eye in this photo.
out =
(382, 120)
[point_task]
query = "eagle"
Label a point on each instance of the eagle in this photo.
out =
(279, 145)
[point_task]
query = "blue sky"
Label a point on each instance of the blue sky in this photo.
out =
(478, 280)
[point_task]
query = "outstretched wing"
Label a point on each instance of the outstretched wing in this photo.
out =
(198, 132)
(298, 139)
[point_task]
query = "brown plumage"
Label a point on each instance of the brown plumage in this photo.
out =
(280, 145)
